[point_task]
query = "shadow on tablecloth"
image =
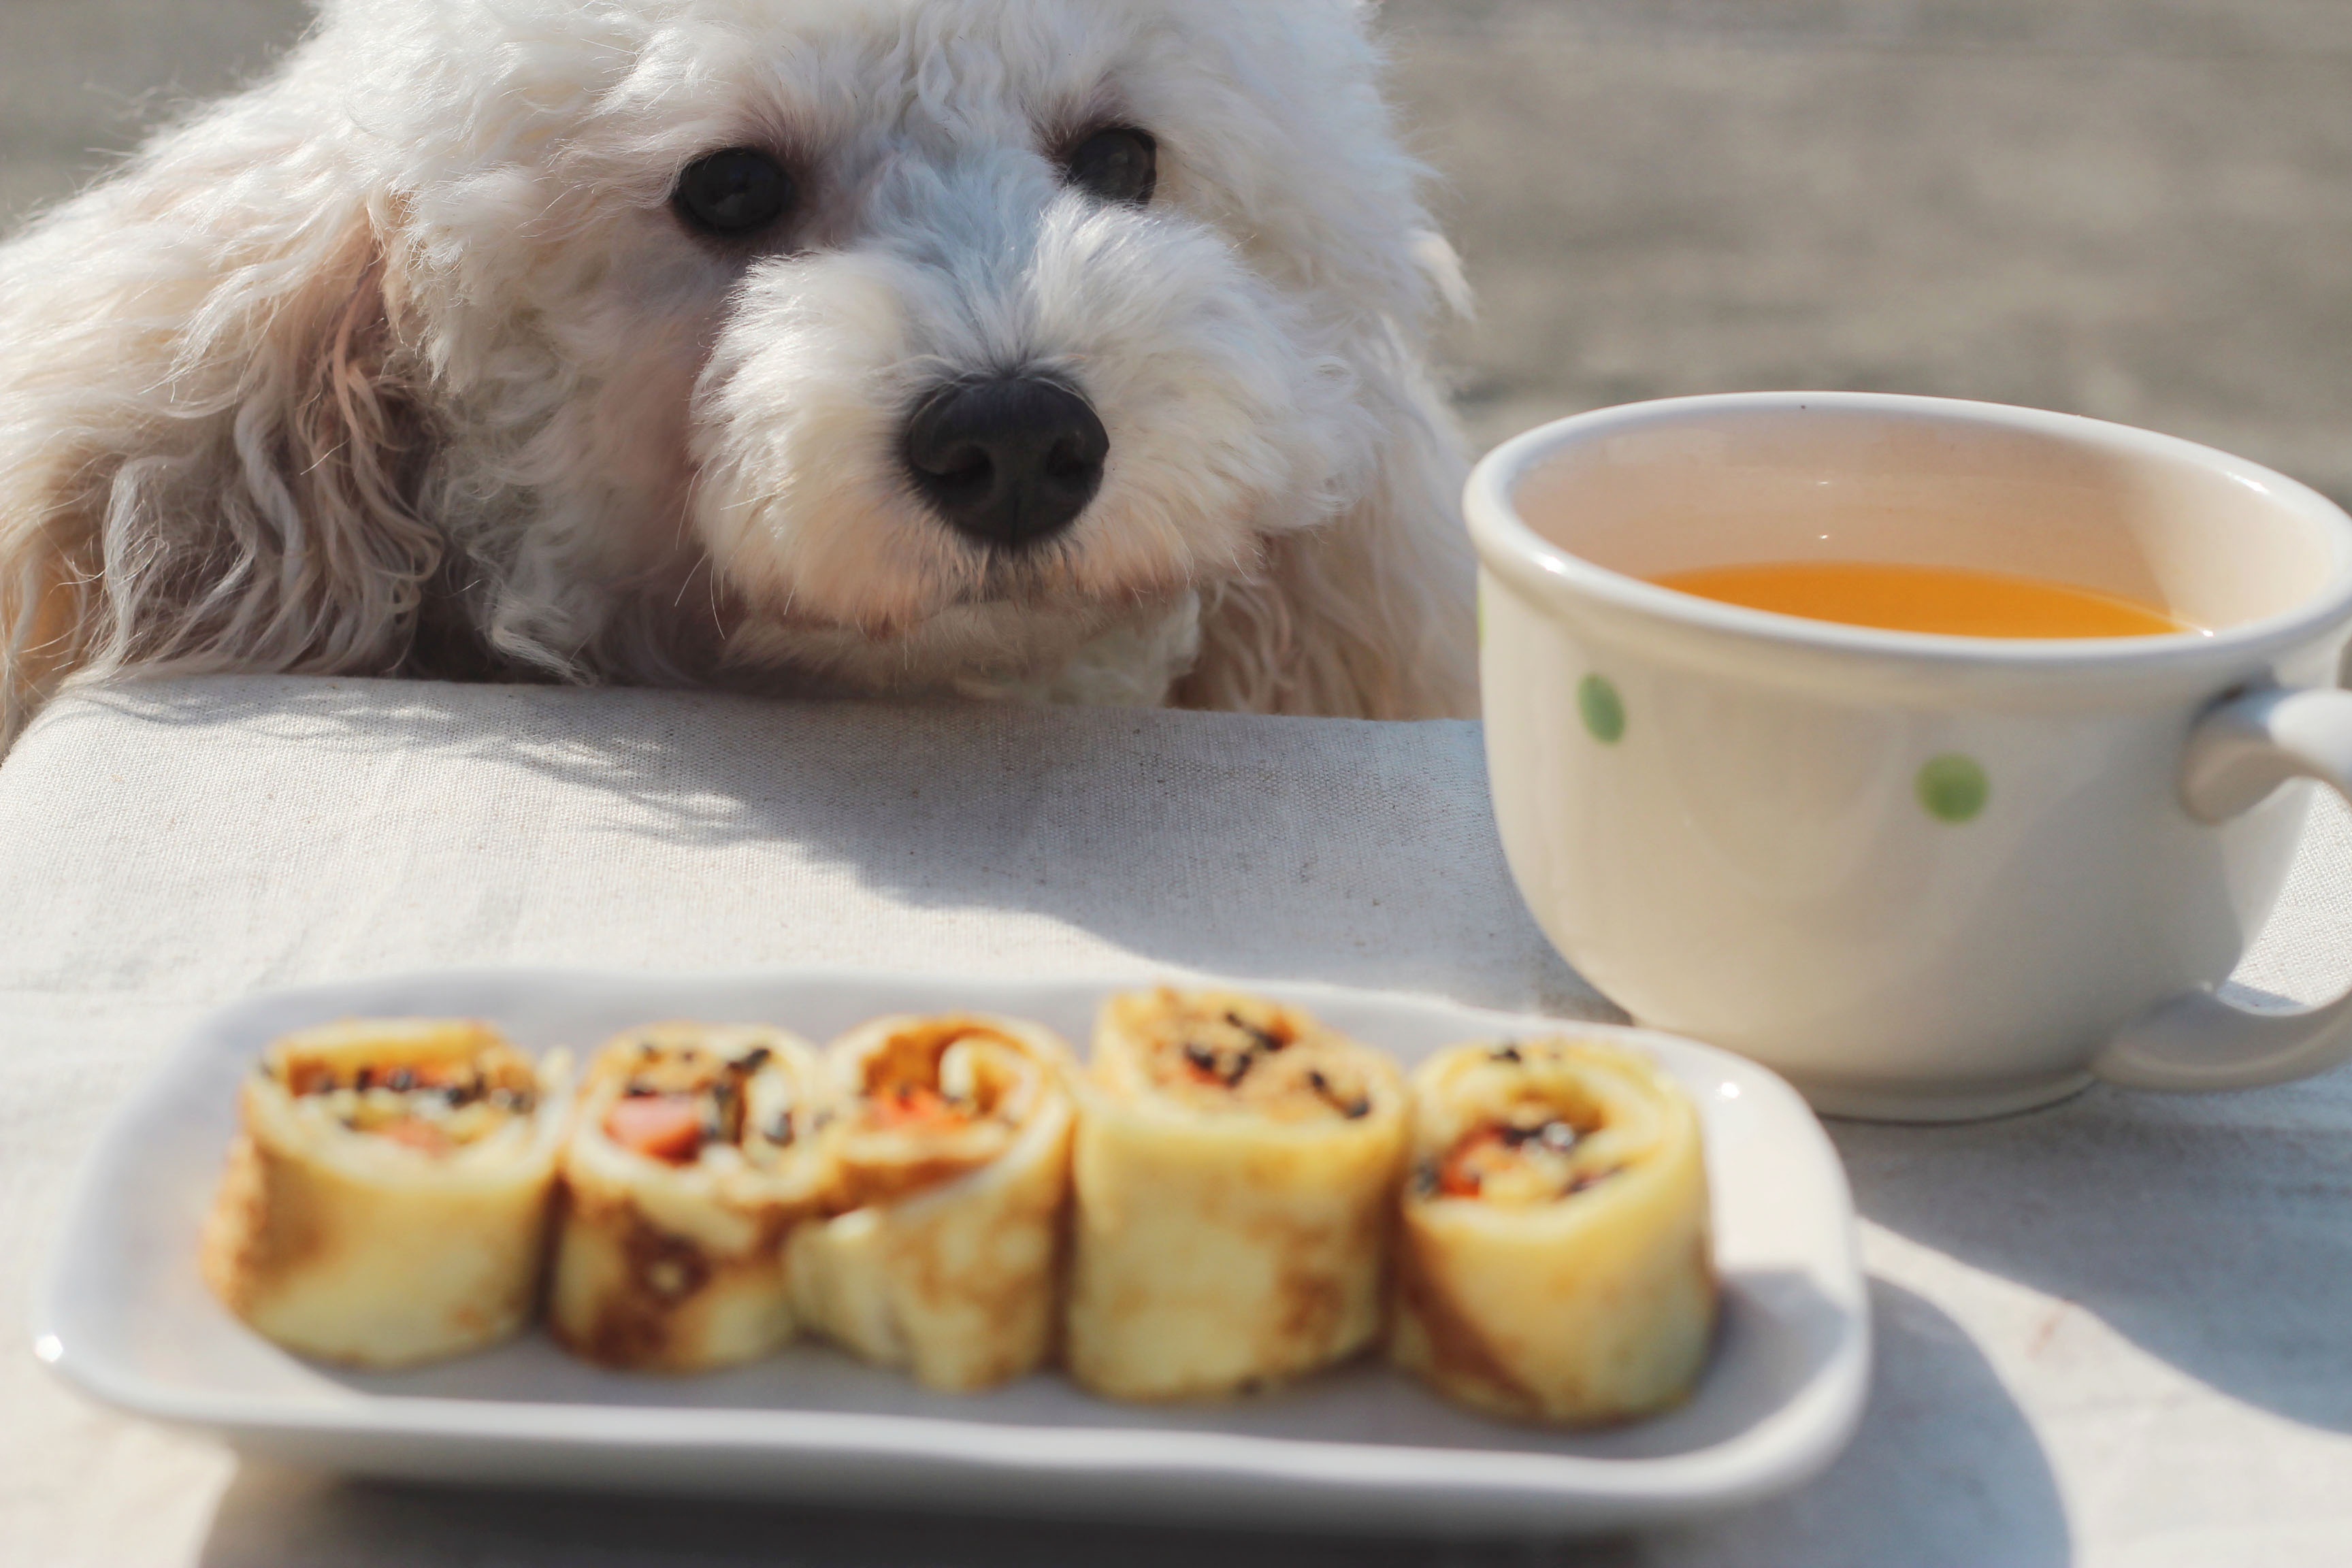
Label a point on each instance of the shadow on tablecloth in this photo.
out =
(1945, 1473)
(2212, 1231)
(1361, 853)
(277, 1519)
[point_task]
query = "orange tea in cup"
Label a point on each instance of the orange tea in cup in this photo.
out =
(1949, 601)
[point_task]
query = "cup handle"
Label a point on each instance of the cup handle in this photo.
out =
(2243, 748)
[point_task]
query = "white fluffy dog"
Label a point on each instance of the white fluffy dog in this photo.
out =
(1064, 348)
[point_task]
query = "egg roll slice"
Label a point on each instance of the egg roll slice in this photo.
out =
(1553, 1258)
(693, 1154)
(952, 1138)
(387, 1196)
(1235, 1176)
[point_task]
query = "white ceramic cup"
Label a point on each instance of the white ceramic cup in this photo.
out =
(1926, 877)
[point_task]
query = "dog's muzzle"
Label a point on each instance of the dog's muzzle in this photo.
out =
(1009, 462)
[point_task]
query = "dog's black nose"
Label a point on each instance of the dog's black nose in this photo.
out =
(1009, 462)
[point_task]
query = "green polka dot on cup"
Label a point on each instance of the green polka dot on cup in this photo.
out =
(1953, 788)
(1603, 709)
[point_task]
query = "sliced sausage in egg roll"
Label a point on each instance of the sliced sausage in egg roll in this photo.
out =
(953, 1137)
(387, 1196)
(1553, 1261)
(1235, 1173)
(693, 1155)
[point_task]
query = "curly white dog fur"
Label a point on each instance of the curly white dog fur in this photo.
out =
(593, 340)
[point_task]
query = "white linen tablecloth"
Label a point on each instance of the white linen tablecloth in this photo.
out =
(2118, 1332)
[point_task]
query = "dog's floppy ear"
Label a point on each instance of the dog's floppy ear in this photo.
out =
(1371, 613)
(206, 437)
(1367, 616)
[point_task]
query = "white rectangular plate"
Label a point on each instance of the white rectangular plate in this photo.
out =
(123, 1315)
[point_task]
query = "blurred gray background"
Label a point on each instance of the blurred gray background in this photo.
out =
(2138, 209)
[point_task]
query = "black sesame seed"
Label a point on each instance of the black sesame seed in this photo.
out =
(1240, 1070)
(637, 1089)
(1424, 1178)
(648, 1047)
(1318, 1082)
(779, 1130)
(1506, 1054)
(401, 1081)
(365, 1081)
(1260, 1039)
(753, 1059)
(1357, 1111)
(1201, 1056)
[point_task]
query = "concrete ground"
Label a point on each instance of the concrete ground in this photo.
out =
(2138, 209)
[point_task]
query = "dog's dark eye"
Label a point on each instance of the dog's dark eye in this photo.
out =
(736, 192)
(1120, 164)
